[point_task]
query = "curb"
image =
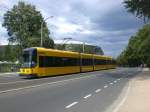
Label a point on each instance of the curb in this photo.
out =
(121, 99)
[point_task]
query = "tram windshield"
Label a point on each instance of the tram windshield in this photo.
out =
(29, 58)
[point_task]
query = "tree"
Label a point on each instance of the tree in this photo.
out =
(138, 49)
(2, 52)
(23, 23)
(1, 57)
(141, 8)
(9, 54)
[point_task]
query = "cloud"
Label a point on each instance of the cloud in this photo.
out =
(3, 35)
(104, 23)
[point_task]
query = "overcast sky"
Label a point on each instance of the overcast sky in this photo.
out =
(105, 23)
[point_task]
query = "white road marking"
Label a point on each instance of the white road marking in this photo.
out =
(18, 81)
(118, 79)
(105, 86)
(27, 87)
(72, 104)
(98, 90)
(111, 83)
(123, 100)
(87, 96)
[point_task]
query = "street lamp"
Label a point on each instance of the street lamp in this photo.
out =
(83, 46)
(42, 29)
(65, 40)
(69, 38)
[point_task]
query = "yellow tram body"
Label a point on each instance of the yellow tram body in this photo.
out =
(42, 62)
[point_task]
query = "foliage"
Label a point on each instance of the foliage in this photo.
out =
(23, 23)
(6, 67)
(141, 8)
(138, 49)
(9, 53)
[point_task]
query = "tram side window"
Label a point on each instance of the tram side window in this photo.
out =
(87, 62)
(41, 61)
(69, 61)
(99, 62)
(66, 61)
(109, 62)
(50, 61)
(47, 61)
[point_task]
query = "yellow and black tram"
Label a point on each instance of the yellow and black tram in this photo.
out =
(40, 62)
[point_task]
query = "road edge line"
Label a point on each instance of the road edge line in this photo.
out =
(115, 103)
(123, 100)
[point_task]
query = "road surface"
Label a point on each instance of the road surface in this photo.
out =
(84, 92)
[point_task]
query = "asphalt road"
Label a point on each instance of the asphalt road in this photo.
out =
(84, 92)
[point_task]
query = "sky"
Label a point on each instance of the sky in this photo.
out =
(105, 23)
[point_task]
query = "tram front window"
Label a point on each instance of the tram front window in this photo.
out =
(29, 59)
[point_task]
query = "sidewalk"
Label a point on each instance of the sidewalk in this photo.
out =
(138, 99)
(8, 72)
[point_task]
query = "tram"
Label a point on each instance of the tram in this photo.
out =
(41, 62)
